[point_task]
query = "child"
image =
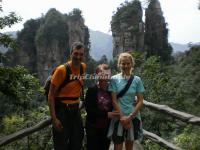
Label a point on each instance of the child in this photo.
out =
(127, 127)
(98, 106)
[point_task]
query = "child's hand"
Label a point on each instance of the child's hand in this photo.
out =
(113, 114)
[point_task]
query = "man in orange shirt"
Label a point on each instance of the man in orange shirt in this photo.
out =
(64, 103)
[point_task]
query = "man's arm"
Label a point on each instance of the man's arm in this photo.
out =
(51, 102)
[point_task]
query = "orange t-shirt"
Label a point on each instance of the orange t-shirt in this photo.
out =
(72, 89)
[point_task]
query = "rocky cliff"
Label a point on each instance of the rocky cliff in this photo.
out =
(128, 28)
(77, 30)
(129, 34)
(63, 31)
(47, 44)
(156, 32)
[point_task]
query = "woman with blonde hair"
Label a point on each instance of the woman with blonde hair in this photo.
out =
(127, 98)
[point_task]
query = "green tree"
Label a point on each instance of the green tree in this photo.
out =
(176, 86)
(103, 60)
(26, 39)
(125, 11)
(189, 138)
(17, 88)
(158, 89)
(186, 80)
(5, 21)
(54, 30)
(113, 66)
(20, 93)
(22, 106)
(76, 13)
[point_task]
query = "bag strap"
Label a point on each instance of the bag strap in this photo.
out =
(82, 90)
(67, 78)
(125, 89)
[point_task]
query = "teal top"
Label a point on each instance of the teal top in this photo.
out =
(126, 102)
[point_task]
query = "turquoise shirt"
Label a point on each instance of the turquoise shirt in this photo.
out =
(126, 102)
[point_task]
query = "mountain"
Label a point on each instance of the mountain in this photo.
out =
(3, 49)
(13, 34)
(179, 47)
(101, 44)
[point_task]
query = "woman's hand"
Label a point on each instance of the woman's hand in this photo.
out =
(125, 121)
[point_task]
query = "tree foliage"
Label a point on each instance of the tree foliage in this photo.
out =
(177, 86)
(157, 90)
(186, 80)
(53, 28)
(103, 60)
(125, 11)
(5, 21)
(26, 37)
(75, 14)
(189, 138)
(17, 88)
(26, 40)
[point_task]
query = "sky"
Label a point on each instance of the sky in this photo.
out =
(183, 17)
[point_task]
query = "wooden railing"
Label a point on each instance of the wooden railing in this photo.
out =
(188, 118)
(185, 117)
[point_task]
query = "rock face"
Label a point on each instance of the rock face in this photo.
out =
(78, 32)
(49, 43)
(26, 56)
(156, 32)
(128, 28)
(56, 50)
(129, 34)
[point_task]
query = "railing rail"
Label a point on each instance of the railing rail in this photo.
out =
(160, 141)
(188, 118)
(185, 117)
(24, 132)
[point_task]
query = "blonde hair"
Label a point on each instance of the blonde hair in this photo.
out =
(126, 55)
